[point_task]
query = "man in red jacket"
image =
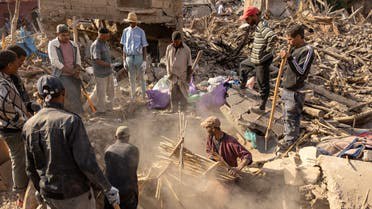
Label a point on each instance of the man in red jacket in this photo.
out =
(225, 148)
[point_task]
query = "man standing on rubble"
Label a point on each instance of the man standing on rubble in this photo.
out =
(179, 71)
(13, 115)
(60, 160)
(134, 53)
(65, 58)
(299, 62)
(262, 53)
(225, 148)
(122, 160)
(103, 94)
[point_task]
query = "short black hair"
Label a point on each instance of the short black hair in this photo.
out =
(6, 57)
(18, 50)
(103, 30)
(295, 30)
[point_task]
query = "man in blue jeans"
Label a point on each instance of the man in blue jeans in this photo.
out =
(134, 53)
(299, 62)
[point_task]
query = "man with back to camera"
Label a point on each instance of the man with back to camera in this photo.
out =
(60, 160)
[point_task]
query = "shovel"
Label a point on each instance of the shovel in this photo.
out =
(276, 90)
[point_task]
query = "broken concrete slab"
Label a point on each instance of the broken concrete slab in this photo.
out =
(348, 182)
(311, 175)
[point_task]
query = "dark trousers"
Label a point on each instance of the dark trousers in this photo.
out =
(293, 105)
(263, 80)
(177, 98)
(246, 70)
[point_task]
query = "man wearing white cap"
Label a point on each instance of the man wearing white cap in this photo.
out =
(134, 53)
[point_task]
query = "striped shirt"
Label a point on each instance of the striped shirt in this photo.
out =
(263, 43)
(13, 111)
(299, 63)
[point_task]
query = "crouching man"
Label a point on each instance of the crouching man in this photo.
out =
(60, 160)
(225, 148)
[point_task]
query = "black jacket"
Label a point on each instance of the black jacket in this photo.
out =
(299, 64)
(60, 160)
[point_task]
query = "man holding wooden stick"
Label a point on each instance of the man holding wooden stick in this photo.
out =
(261, 55)
(179, 71)
(225, 148)
(299, 61)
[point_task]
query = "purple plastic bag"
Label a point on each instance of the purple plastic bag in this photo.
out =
(213, 100)
(158, 100)
(192, 87)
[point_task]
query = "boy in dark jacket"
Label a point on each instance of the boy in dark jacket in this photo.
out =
(300, 58)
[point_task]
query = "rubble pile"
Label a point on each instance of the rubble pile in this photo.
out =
(338, 100)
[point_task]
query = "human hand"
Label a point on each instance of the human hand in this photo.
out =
(251, 82)
(144, 65)
(283, 54)
(233, 171)
(125, 64)
(113, 196)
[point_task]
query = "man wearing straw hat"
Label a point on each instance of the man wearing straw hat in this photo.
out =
(134, 53)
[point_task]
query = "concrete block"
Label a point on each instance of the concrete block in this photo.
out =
(292, 173)
(274, 166)
(348, 181)
(310, 175)
(308, 156)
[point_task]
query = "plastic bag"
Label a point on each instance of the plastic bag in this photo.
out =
(192, 87)
(214, 99)
(157, 99)
(162, 85)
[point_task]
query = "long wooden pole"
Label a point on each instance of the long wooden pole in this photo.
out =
(14, 24)
(276, 90)
(74, 29)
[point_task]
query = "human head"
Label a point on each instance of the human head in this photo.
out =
(21, 54)
(122, 134)
(104, 34)
(295, 35)
(177, 38)
(251, 15)
(63, 33)
(132, 19)
(211, 124)
(50, 89)
(8, 62)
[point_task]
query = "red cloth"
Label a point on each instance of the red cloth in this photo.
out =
(68, 55)
(230, 150)
(249, 11)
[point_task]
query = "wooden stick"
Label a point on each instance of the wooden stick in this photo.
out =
(295, 144)
(211, 168)
(176, 147)
(277, 84)
(173, 192)
(364, 205)
(74, 29)
(198, 56)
